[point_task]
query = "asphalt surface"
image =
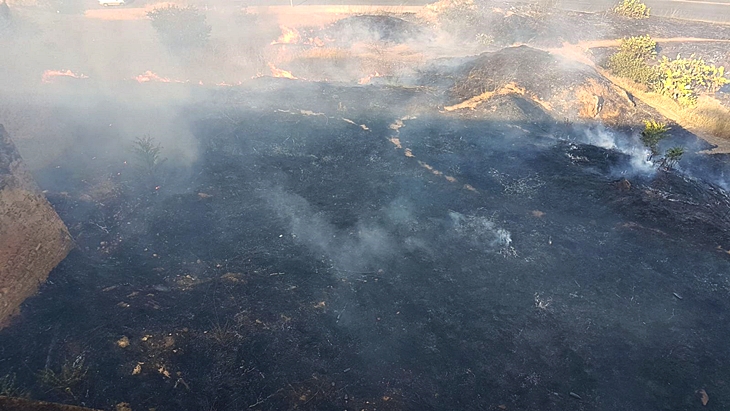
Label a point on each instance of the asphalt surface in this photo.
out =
(714, 10)
(710, 10)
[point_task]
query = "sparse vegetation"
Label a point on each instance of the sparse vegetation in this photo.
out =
(633, 9)
(71, 375)
(652, 134)
(484, 39)
(681, 79)
(9, 388)
(180, 27)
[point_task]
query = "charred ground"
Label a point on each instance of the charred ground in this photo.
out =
(335, 246)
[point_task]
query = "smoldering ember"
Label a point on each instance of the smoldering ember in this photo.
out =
(463, 205)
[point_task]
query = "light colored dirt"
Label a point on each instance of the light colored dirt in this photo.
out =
(33, 239)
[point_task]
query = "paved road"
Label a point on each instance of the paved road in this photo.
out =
(711, 10)
(708, 10)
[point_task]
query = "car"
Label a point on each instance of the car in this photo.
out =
(107, 3)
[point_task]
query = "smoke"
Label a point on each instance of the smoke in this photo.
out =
(362, 247)
(639, 162)
(480, 232)
(370, 243)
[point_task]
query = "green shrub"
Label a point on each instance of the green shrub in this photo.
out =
(682, 79)
(180, 27)
(627, 65)
(672, 157)
(653, 133)
(643, 47)
(633, 9)
(631, 61)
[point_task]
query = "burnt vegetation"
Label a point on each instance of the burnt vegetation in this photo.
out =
(467, 209)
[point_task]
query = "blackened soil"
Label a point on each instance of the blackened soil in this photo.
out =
(305, 262)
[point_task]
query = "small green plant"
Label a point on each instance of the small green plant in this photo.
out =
(633, 9)
(180, 27)
(148, 155)
(672, 157)
(653, 133)
(72, 373)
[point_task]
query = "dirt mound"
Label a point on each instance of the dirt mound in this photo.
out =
(367, 28)
(564, 89)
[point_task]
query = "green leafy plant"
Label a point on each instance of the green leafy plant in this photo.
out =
(180, 27)
(633, 9)
(148, 155)
(672, 157)
(682, 79)
(652, 134)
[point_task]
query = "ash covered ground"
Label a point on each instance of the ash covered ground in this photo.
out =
(476, 234)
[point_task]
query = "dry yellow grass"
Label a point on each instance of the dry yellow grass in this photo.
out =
(325, 53)
(711, 116)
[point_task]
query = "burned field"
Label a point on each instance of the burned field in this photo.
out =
(477, 233)
(384, 260)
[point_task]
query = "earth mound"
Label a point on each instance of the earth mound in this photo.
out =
(564, 89)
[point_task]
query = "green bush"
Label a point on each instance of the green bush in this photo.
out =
(629, 66)
(672, 157)
(653, 133)
(633, 9)
(643, 47)
(682, 79)
(631, 61)
(180, 27)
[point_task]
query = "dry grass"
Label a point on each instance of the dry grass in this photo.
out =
(332, 54)
(712, 117)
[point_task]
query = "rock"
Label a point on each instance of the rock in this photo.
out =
(33, 239)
